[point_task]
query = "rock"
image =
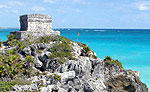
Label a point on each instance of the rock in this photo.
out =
(67, 75)
(31, 87)
(77, 49)
(43, 58)
(87, 88)
(50, 65)
(83, 73)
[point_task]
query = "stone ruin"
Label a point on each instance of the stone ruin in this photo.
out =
(34, 26)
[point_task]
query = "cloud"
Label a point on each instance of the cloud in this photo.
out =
(50, 1)
(78, 1)
(3, 6)
(15, 3)
(37, 9)
(63, 1)
(12, 11)
(143, 6)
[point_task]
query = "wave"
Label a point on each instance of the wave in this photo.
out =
(100, 30)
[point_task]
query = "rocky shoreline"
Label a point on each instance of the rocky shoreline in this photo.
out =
(44, 61)
(82, 73)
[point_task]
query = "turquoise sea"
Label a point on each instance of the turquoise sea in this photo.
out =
(130, 46)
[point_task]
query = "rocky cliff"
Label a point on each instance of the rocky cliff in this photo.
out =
(57, 64)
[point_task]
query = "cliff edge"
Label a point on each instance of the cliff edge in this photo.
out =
(57, 64)
(37, 59)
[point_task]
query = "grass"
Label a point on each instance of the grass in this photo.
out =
(39, 51)
(55, 76)
(87, 50)
(111, 61)
(10, 64)
(61, 51)
(6, 86)
(20, 82)
(29, 59)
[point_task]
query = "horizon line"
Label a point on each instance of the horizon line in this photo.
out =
(81, 28)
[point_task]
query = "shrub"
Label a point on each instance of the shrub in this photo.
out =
(11, 37)
(110, 61)
(55, 76)
(12, 40)
(44, 39)
(94, 56)
(29, 59)
(20, 45)
(11, 52)
(20, 82)
(63, 39)
(61, 51)
(108, 58)
(10, 64)
(5, 86)
(88, 52)
(86, 48)
(39, 51)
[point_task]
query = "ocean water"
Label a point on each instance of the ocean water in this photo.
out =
(131, 47)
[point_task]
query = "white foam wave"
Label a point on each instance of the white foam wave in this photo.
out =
(100, 30)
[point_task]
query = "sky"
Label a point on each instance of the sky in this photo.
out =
(116, 14)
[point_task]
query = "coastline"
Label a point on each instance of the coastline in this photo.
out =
(102, 48)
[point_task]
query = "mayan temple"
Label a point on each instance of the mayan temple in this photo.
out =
(35, 25)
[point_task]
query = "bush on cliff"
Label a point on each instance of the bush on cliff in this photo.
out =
(110, 61)
(6, 86)
(87, 51)
(61, 51)
(12, 40)
(10, 64)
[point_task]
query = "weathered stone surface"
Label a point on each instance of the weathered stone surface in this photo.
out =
(84, 74)
(35, 22)
(34, 26)
(21, 35)
(25, 87)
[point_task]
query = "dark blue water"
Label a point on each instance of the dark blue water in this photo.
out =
(131, 47)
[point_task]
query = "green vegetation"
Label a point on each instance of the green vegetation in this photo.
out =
(110, 61)
(12, 52)
(20, 45)
(29, 59)
(39, 51)
(55, 76)
(87, 50)
(61, 51)
(10, 64)
(6, 86)
(12, 40)
(95, 57)
(45, 39)
(19, 82)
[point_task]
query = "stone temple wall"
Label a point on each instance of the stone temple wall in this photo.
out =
(35, 22)
(35, 25)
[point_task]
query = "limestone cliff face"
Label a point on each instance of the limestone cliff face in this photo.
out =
(83, 74)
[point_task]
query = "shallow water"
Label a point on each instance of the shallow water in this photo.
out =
(131, 47)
